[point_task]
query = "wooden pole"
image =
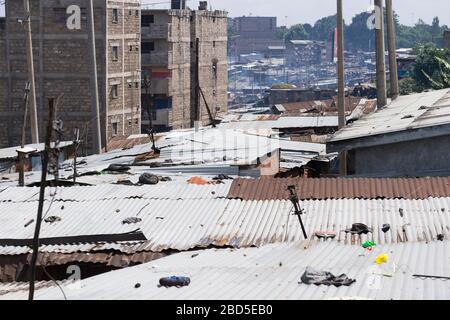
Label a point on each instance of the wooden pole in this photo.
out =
(380, 55)
(197, 82)
(341, 82)
(94, 81)
(30, 64)
(47, 150)
(393, 69)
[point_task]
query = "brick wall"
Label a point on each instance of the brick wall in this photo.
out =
(62, 65)
(210, 27)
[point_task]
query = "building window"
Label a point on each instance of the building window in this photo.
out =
(148, 47)
(214, 69)
(115, 53)
(115, 91)
(136, 84)
(115, 15)
(131, 48)
(147, 20)
(130, 12)
(214, 44)
(137, 13)
(115, 129)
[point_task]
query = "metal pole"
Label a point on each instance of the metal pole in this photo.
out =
(94, 84)
(392, 50)
(30, 64)
(380, 53)
(341, 82)
(41, 198)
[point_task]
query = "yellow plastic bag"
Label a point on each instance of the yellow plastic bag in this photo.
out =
(382, 258)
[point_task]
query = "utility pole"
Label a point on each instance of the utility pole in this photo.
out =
(94, 84)
(197, 82)
(341, 82)
(30, 64)
(392, 50)
(48, 137)
(21, 155)
(76, 143)
(380, 54)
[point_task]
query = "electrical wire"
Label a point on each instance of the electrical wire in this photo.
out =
(56, 282)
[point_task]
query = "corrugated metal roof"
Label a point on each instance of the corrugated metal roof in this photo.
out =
(187, 224)
(10, 153)
(337, 188)
(405, 113)
(283, 123)
(273, 272)
(163, 190)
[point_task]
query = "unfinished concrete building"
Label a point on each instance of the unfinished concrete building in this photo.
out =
(62, 66)
(255, 34)
(170, 66)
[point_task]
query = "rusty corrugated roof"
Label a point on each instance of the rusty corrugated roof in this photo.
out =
(340, 188)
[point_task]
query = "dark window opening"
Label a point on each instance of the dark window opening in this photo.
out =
(115, 15)
(214, 69)
(115, 53)
(115, 129)
(115, 91)
(147, 20)
(148, 47)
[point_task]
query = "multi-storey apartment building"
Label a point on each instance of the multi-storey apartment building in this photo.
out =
(63, 66)
(170, 65)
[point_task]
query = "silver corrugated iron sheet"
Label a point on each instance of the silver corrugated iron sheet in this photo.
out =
(273, 272)
(10, 153)
(163, 190)
(187, 224)
(407, 112)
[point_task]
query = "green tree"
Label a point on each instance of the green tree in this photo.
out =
(358, 36)
(323, 29)
(296, 32)
(432, 69)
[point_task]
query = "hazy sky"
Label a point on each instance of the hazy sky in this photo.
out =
(308, 11)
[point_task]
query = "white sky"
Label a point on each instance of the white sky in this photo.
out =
(308, 11)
